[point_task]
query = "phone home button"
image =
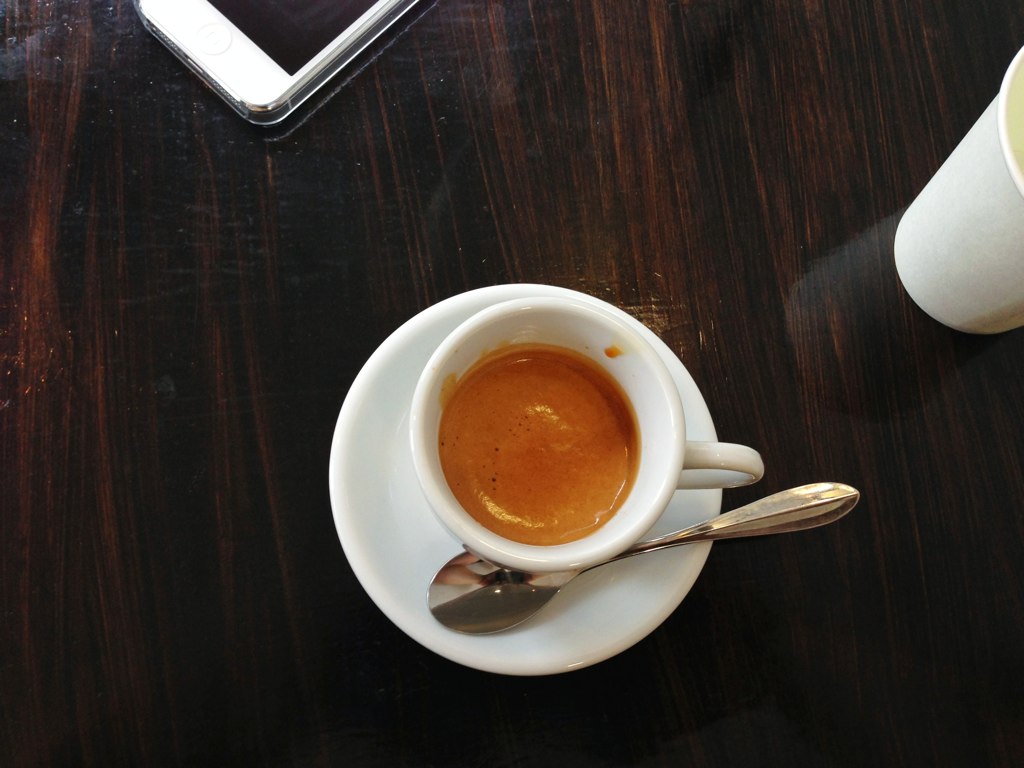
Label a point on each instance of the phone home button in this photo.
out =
(213, 38)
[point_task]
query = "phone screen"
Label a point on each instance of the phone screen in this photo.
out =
(292, 32)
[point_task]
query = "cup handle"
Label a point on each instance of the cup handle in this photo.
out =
(719, 465)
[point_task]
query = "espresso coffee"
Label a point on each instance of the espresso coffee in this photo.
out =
(538, 443)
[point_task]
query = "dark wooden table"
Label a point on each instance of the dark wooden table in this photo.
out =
(186, 299)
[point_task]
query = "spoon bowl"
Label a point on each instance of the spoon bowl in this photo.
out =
(473, 596)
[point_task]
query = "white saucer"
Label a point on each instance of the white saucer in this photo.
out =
(394, 544)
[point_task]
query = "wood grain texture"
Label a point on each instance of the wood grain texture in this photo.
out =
(185, 300)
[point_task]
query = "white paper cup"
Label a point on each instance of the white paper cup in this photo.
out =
(667, 460)
(960, 245)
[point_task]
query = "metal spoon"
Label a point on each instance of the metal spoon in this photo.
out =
(475, 597)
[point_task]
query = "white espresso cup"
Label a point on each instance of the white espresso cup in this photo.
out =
(667, 460)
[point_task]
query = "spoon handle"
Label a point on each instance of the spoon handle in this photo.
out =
(796, 509)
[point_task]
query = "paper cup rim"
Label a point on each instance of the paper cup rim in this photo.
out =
(1011, 82)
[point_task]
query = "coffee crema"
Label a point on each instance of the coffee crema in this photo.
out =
(538, 443)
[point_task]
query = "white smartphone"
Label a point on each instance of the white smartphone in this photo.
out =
(265, 57)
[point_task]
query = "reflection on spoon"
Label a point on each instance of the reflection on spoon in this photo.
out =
(475, 597)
